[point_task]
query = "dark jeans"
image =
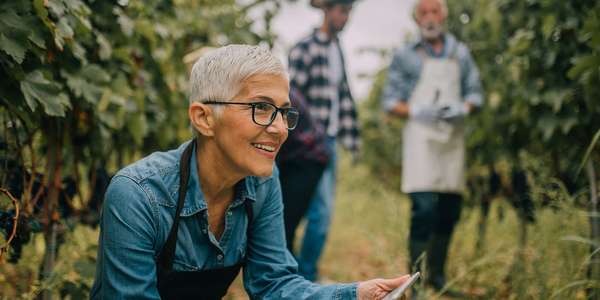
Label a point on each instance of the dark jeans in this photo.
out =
(299, 181)
(434, 216)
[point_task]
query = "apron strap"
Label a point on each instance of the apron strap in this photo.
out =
(165, 258)
(453, 51)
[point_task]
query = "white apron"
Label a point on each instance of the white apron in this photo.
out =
(433, 153)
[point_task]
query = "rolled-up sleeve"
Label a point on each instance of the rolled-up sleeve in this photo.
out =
(125, 267)
(471, 84)
(397, 87)
(271, 271)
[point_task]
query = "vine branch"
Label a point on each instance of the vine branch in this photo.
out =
(4, 248)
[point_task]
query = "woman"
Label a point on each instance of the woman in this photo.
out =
(181, 224)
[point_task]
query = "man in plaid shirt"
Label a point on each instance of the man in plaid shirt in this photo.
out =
(316, 68)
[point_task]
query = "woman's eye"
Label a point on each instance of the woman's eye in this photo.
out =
(263, 107)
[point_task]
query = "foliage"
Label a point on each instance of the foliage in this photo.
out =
(539, 61)
(382, 136)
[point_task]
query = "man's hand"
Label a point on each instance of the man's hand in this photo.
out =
(376, 289)
(454, 112)
(423, 113)
(400, 109)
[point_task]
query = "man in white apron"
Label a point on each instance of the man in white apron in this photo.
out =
(435, 84)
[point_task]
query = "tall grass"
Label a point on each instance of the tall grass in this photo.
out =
(369, 238)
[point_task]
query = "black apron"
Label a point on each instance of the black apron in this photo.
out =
(205, 284)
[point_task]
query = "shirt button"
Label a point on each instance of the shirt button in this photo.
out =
(229, 213)
(220, 257)
(204, 230)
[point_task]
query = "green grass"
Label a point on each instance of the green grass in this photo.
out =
(369, 236)
(368, 239)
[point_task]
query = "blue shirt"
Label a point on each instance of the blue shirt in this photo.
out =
(139, 210)
(405, 71)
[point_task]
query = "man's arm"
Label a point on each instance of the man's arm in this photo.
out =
(396, 90)
(400, 109)
(126, 268)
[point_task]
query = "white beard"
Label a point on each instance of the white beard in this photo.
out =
(431, 31)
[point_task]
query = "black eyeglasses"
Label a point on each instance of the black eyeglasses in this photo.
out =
(264, 113)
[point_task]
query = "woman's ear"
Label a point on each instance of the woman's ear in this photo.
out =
(202, 118)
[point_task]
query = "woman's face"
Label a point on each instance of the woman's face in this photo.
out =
(250, 148)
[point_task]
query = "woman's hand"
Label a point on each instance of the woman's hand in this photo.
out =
(376, 289)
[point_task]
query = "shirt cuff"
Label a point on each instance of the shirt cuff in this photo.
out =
(474, 99)
(346, 291)
(389, 104)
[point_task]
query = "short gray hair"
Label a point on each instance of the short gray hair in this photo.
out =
(219, 74)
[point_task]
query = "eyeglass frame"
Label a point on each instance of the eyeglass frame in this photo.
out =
(281, 110)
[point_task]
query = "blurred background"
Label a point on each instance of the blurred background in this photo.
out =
(88, 87)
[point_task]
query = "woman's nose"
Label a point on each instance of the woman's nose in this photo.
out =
(279, 125)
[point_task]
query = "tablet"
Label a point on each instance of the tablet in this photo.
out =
(397, 292)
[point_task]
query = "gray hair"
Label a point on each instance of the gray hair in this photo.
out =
(442, 4)
(219, 74)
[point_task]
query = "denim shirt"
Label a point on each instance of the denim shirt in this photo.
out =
(138, 212)
(405, 71)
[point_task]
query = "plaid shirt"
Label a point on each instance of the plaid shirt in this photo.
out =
(309, 69)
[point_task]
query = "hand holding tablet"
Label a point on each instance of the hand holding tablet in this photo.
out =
(399, 291)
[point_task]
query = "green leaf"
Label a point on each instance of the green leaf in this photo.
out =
(36, 38)
(87, 82)
(582, 64)
(137, 127)
(38, 89)
(64, 29)
(95, 73)
(548, 25)
(568, 124)
(144, 27)
(14, 48)
(588, 152)
(104, 100)
(56, 8)
(105, 48)
(520, 42)
(556, 98)
(547, 124)
(109, 120)
(125, 22)
(11, 19)
(79, 52)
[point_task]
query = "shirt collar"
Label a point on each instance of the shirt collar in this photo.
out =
(321, 37)
(194, 199)
(449, 43)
